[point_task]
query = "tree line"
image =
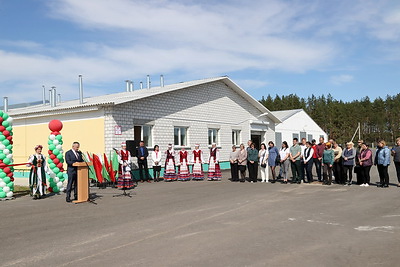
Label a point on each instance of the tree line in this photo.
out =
(379, 119)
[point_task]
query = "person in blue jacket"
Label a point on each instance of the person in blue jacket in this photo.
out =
(382, 160)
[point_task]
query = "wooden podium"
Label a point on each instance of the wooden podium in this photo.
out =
(82, 181)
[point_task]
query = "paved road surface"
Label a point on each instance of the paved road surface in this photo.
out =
(207, 224)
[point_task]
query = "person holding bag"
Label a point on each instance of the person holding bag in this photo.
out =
(263, 155)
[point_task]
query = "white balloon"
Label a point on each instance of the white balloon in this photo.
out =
(1, 180)
(55, 142)
(2, 147)
(62, 189)
(10, 156)
(10, 119)
(53, 175)
(56, 179)
(10, 194)
(6, 189)
(59, 184)
(2, 184)
(52, 137)
(59, 147)
(6, 151)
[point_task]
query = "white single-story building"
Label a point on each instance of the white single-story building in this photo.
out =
(296, 123)
(202, 111)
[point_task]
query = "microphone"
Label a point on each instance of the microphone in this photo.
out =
(79, 152)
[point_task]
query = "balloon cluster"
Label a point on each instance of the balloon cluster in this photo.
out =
(6, 156)
(56, 158)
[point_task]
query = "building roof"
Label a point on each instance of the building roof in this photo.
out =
(286, 114)
(93, 103)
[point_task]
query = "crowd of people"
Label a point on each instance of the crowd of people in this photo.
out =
(329, 158)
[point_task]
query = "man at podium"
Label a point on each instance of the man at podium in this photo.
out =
(71, 156)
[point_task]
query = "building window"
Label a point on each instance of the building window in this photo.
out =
(144, 132)
(180, 136)
(236, 137)
(295, 135)
(212, 136)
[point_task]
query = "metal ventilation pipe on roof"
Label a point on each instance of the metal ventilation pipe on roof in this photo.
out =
(162, 80)
(59, 98)
(131, 86)
(53, 96)
(44, 95)
(148, 82)
(80, 89)
(127, 82)
(141, 85)
(5, 104)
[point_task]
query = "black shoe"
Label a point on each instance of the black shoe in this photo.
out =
(242, 181)
(68, 200)
(386, 185)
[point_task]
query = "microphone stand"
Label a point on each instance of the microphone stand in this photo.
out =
(124, 194)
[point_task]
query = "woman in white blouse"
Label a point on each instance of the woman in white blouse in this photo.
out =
(285, 162)
(263, 155)
(156, 159)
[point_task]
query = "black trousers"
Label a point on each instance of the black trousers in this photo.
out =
(348, 173)
(318, 168)
(327, 174)
(308, 168)
(296, 171)
(253, 171)
(397, 165)
(143, 167)
(72, 184)
(338, 172)
(234, 172)
(383, 174)
(156, 172)
(365, 177)
(303, 170)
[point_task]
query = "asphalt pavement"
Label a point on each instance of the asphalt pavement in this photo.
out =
(207, 224)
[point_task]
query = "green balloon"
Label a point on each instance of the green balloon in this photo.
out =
(60, 142)
(9, 128)
(56, 189)
(2, 156)
(62, 179)
(6, 161)
(49, 161)
(55, 151)
(10, 184)
(56, 170)
(2, 175)
(11, 133)
(5, 124)
(60, 175)
(52, 147)
(60, 157)
(6, 180)
(52, 165)
(9, 147)
(2, 137)
(1, 189)
(59, 137)
(53, 184)
(1, 113)
(50, 142)
(2, 194)
(5, 116)
(6, 142)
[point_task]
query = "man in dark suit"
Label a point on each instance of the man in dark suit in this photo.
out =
(142, 153)
(73, 155)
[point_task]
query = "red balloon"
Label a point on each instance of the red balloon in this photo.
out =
(56, 161)
(61, 169)
(9, 138)
(12, 179)
(50, 189)
(7, 170)
(2, 128)
(6, 133)
(50, 152)
(52, 156)
(1, 119)
(10, 174)
(55, 133)
(11, 142)
(59, 165)
(55, 125)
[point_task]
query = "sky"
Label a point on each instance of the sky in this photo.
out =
(350, 49)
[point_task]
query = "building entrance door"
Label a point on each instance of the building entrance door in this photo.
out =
(256, 138)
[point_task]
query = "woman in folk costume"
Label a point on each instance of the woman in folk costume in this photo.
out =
(183, 168)
(214, 171)
(197, 160)
(37, 176)
(124, 172)
(169, 171)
